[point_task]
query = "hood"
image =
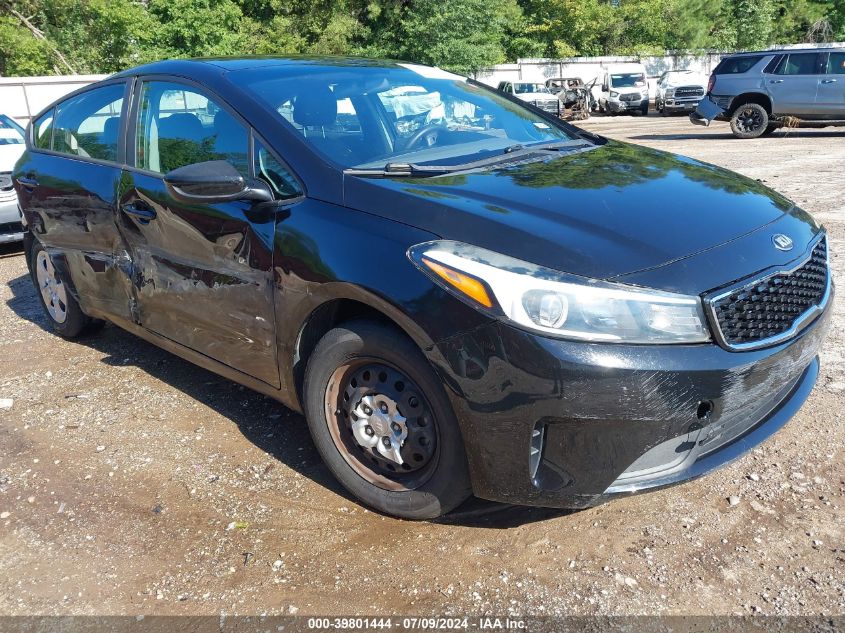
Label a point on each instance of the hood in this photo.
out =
(610, 211)
(536, 96)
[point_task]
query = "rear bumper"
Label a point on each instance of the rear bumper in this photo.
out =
(615, 420)
(706, 112)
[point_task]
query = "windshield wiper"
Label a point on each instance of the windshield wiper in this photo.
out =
(509, 153)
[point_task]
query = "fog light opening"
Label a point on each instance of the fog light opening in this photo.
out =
(705, 410)
(535, 452)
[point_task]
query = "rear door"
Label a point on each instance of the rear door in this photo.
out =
(204, 271)
(794, 83)
(830, 99)
(68, 182)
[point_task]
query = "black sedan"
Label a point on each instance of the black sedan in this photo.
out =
(462, 293)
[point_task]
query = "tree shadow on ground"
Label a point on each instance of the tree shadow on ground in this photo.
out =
(258, 417)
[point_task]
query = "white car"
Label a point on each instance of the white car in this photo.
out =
(11, 147)
(679, 91)
(533, 92)
(624, 88)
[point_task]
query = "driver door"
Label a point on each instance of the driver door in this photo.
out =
(203, 272)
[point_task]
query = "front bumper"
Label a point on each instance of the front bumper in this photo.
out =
(615, 420)
(11, 229)
(681, 105)
(624, 106)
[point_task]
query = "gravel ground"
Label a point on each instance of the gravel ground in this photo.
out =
(133, 482)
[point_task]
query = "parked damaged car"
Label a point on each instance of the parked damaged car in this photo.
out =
(493, 302)
(761, 92)
(679, 91)
(11, 148)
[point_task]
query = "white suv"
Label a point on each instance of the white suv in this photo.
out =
(11, 147)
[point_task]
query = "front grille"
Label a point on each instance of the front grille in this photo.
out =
(548, 106)
(5, 180)
(689, 91)
(11, 227)
(631, 97)
(768, 310)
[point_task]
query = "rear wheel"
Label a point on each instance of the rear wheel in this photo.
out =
(382, 422)
(750, 121)
(63, 312)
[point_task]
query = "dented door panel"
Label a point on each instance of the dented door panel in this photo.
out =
(203, 275)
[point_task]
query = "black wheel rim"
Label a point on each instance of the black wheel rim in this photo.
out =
(749, 120)
(368, 402)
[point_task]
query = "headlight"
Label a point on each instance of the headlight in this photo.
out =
(558, 304)
(670, 92)
(613, 94)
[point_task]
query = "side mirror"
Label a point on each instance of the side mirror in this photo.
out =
(214, 181)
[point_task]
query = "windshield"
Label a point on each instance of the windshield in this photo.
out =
(628, 80)
(522, 89)
(369, 116)
(10, 132)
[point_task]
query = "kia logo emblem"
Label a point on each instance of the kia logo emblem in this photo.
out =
(782, 242)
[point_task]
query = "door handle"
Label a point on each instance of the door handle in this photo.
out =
(140, 211)
(28, 183)
(828, 81)
(776, 81)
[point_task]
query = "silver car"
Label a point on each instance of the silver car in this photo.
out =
(760, 92)
(11, 148)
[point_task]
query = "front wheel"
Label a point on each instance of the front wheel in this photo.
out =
(382, 423)
(749, 121)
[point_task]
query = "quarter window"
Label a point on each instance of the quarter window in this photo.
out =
(737, 65)
(88, 125)
(275, 174)
(179, 125)
(836, 64)
(42, 131)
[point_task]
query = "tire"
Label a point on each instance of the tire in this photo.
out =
(62, 311)
(749, 120)
(364, 362)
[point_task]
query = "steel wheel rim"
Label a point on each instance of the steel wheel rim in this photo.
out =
(750, 120)
(53, 291)
(368, 383)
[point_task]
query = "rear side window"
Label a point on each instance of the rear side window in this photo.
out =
(42, 131)
(88, 125)
(799, 64)
(836, 64)
(737, 65)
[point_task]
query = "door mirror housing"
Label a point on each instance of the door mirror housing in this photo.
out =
(212, 182)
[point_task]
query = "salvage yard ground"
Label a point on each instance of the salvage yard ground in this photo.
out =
(134, 482)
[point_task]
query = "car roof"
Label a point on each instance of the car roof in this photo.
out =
(782, 51)
(220, 65)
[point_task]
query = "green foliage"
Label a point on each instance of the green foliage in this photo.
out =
(463, 35)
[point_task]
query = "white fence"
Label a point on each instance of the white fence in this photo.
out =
(23, 97)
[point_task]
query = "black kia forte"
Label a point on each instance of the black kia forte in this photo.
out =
(461, 293)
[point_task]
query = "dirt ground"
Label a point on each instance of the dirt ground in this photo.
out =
(134, 482)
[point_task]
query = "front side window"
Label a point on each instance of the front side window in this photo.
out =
(799, 64)
(88, 125)
(836, 64)
(368, 116)
(179, 125)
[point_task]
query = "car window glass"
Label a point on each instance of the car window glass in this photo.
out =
(275, 174)
(10, 132)
(799, 64)
(836, 64)
(42, 131)
(179, 125)
(88, 125)
(773, 64)
(736, 65)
